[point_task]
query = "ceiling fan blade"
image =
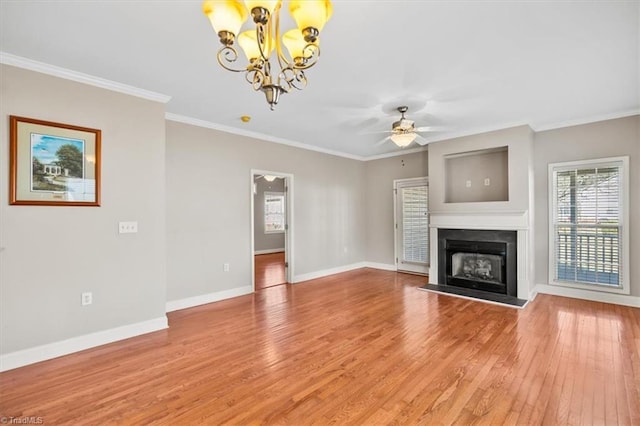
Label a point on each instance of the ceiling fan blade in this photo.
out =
(373, 132)
(421, 141)
(429, 129)
(383, 140)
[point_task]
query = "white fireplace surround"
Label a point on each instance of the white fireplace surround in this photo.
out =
(518, 221)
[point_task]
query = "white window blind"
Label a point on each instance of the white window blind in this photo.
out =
(587, 222)
(415, 224)
(274, 211)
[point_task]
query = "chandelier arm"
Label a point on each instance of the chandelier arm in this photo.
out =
(283, 81)
(311, 56)
(228, 55)
(294, 78)
(282, 59)
(263, 38)
(256, 78)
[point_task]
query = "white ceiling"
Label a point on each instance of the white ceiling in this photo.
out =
(463, 66)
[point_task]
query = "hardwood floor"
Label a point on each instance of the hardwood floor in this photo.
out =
(269, 270)
(363, 347)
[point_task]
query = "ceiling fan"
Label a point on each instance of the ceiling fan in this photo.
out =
(403, 131)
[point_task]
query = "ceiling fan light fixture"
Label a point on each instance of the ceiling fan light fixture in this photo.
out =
(403, 139)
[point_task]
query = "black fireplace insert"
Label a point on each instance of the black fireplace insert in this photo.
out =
(478, 259)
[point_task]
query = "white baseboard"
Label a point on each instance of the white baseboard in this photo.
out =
(345, 268)
(269, 251)
(75, 344)
(327, 272)
(533, 293)
(189, 302)
(382, 266)
(594, 296)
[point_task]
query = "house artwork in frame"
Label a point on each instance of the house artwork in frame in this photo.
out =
(53, 164)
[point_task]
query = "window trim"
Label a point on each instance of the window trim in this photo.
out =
(264, 212)
(623, 162)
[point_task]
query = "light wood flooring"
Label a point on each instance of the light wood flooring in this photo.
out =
(270, 270)
(364, 347)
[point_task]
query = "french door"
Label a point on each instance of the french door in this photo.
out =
(411, 199)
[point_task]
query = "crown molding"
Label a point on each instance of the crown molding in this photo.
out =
(67, 74)
(263, 136)
(256, 135)
(581, 121)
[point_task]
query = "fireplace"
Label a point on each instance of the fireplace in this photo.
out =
(482, 260)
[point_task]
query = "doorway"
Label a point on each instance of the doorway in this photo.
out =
(411, 216)
(270, 228)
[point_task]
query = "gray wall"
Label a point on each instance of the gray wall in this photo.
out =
(519, 142)
(380, 175)
(475, 168)
(209, 185)
(40, 286)
(610, 138)
(199, 180)
(261, 240)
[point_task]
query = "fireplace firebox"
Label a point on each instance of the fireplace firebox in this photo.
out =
(482, 260)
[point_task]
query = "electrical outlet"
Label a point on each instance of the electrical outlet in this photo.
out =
(127, 227)
(468, 184)
(225, 267)
(487, 182)
(87, 298)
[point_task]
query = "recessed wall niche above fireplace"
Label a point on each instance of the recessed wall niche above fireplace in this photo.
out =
(478, 259)
(460, 200)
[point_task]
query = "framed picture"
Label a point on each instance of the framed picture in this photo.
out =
(53, 164)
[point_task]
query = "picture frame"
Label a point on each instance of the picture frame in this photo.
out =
(53, 164)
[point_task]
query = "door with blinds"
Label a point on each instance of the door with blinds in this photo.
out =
(411, 199)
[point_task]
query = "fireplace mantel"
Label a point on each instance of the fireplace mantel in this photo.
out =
(484, 219)
(514, 220)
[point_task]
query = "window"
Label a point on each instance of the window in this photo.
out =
(588, 242)
(274, 211)
(415, 224)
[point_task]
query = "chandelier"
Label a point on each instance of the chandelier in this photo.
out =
(302, 43)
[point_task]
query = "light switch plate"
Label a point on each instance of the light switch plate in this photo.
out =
(127, 227)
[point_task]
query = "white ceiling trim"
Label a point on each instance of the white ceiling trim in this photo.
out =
(578, 122)
(256, 135)
(67, 74)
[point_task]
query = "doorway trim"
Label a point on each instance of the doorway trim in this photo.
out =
(288, 239)
(397, 183)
